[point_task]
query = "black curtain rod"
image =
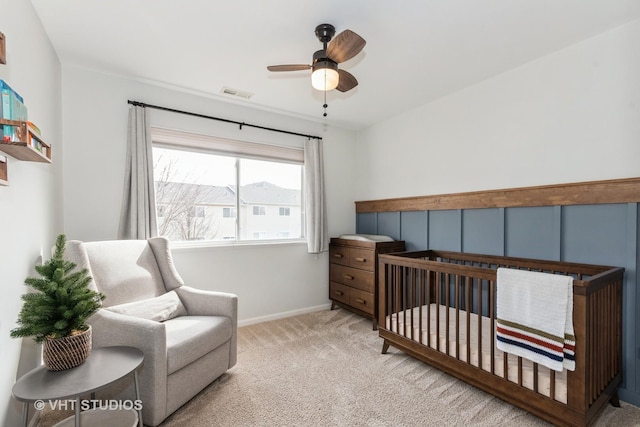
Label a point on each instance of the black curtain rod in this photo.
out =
(241, 124)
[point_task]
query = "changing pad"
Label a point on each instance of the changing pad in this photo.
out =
(367, 237)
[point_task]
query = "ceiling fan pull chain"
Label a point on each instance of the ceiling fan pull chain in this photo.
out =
(325, 104)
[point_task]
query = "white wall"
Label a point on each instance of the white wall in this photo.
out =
(269, 280)
(30, 212)
(568, 117)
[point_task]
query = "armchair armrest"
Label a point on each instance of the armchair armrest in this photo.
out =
(210, 303)
(111, 328)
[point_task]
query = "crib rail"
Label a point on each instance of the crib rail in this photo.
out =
(440, 306)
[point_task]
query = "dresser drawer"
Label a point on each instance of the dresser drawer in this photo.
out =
(353, 277)
(362, 258)
(339, 292)
(339, 255)
(361, 300)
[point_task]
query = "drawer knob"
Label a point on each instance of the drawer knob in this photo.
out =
(339, 293)
(346, 276)
(361, 301)
(337, 255)
(360, 259)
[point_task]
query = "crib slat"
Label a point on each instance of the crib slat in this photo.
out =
(520, 371)
(492, 317)
(592, 336)
(429, 300)
(457, 298)
(505, 365)
(479, 349)
(438, 303)
(447, 304)
(412, 283)
(421, 285)
(397, 298)
(468, 316)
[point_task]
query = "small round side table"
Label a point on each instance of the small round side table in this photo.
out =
(104, 366)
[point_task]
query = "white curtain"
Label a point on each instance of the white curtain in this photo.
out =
(138, 215)
(315, 204)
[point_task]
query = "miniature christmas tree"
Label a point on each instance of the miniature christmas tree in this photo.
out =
(64, 301)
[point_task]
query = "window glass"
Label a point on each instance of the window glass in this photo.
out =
(202, 195)
(266, 187)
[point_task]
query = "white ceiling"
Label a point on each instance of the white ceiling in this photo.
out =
(417, 50)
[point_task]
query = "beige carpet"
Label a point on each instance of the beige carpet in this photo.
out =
(325, 369)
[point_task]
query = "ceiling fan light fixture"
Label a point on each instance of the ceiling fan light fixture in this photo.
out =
(325, 75)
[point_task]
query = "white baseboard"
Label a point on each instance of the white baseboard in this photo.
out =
(276, 316)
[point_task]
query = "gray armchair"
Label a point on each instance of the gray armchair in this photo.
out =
(188, 336)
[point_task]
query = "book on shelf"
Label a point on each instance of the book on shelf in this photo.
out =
(4, 86)
(34, 128)
(13, 108)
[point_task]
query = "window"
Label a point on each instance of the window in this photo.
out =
(224, 190)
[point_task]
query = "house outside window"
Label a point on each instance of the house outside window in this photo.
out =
(214, 190)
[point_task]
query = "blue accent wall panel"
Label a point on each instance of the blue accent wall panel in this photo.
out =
(445, 230)
(595, 234)
(367, 223)
(389, 224)
(532, 232)
(414, 230)
(483, 231)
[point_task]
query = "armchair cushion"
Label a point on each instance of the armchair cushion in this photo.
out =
(191, 337)
(160, 308)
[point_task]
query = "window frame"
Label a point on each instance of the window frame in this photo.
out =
(238, 149)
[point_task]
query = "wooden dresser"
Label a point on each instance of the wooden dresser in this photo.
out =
(353, 266)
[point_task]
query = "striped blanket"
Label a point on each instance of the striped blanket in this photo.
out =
(535, 317)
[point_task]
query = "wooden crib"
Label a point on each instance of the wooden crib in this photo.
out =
(439, 307)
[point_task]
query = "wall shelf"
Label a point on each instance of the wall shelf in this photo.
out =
(29, 146)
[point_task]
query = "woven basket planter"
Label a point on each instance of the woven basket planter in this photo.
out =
(68, 352)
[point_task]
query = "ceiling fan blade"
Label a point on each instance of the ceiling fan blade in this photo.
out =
(289, 67)
(345, 46)
(346, 82)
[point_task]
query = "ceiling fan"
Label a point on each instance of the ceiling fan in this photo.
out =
(325, 74)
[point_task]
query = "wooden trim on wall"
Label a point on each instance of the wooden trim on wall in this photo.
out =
(580, 193)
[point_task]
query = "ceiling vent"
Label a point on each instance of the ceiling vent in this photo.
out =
(235, 92)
